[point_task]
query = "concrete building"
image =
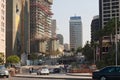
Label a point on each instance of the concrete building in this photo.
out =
(60, 38)
(108, 9)
(53, 44)
(66, 47)
(17, 27)
(95, 27)
(40, 24)
(3, 27)
(75, 32)
(53, 28)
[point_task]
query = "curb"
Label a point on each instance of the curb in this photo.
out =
(80, 74)
(54, 77)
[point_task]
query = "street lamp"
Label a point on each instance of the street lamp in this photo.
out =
(116, 48)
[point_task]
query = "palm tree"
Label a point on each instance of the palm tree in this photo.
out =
(108, 30)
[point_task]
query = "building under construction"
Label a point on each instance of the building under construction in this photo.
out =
(40, 25)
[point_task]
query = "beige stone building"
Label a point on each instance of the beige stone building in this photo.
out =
(2, 26)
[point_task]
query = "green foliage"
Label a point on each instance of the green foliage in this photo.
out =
(55, 53)
(1, 58)
(108, 30)
(33, 56)
(88, 52)
(13, 59)
(109, 58)
(73, 50)
(79, 49)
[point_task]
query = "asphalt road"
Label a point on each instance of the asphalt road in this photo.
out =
(45, 77)
(20, 78)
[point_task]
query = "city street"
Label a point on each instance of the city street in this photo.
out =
(46, 77)
(20, 78)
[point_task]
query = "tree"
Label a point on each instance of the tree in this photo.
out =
(88, 52)
(33, 56)
(13, 59)
(108, 30)
(1, 58)
(109, 58)
(79, 49)
(55, 53)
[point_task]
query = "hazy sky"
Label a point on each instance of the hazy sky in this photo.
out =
(64, 9)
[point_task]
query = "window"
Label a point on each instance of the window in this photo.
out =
(109, 69)
(106, 0)
(118, 69)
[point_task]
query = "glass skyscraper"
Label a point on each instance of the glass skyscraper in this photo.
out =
(75, 24)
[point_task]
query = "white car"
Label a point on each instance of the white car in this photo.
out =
(3, 71)
(44, 70)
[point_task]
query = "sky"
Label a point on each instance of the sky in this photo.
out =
(64, 9)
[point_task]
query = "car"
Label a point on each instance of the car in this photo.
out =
(107, 73)
(56, 70)
(43, 70)
(4, 71)
(51, 70)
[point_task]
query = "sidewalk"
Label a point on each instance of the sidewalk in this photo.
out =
(80, 74)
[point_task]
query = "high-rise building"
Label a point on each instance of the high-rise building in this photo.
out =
(53, 28)
(3, 27)
(75, 32)
(108, 9)
(17, 27)
(40, 24)
(60, 38)
(95, 27)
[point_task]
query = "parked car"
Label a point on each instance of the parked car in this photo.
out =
(51, 70)
(56, 70)
(4, 71)
(43, 70)
(107, 73)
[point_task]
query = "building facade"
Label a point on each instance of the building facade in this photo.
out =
(17, 27)
(75, 32)
(3, 27)
(60, 38)
(53, 28)
(108, 9)
(40, 24)
(95, 27)
(66, 47)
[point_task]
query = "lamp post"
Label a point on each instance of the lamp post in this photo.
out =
(116, 48)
